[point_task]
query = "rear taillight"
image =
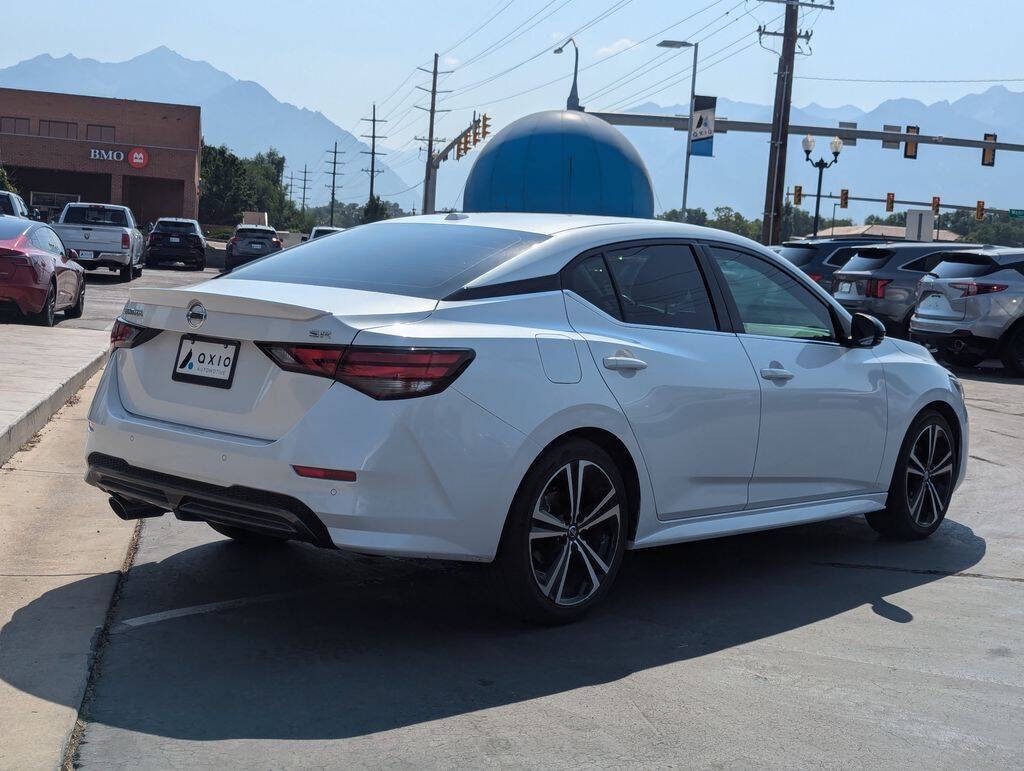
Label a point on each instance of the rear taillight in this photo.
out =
(125, 335)
(15, 256)
(276, 241)
(126, 241)
(876, 287)
(381, 373)
(971, 288)
(233, 240)
(815, 277)
(149, 241)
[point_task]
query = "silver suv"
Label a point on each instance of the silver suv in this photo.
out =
(882, 280)
(971, 307)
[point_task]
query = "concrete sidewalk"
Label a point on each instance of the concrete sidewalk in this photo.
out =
(40, 368)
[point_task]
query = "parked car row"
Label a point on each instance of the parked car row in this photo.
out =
(39, 275)
(963, 301)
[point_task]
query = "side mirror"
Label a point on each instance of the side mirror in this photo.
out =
(305, 238)
(866, 331)
(35, 214)
(72, 254)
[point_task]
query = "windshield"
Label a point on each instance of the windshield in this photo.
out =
(171, 226)
(798, 255)
(95, 215)
(418, 259)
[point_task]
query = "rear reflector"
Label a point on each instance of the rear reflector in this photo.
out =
(337, 475)
(381, 373)
(125, 335)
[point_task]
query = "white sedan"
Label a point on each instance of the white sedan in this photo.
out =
(537, 391)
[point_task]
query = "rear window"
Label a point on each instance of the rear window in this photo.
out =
(798, 255)
(416, 259)
(255, 233)
(169, 226)
(12, 227)
(964, 269)
(95, 215)
(869, 259)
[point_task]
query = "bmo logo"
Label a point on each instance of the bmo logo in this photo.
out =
(137, 157)
(106, 155)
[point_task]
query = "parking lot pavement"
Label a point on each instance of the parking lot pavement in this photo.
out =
(818, 645)
(57, 539)
(105, 295)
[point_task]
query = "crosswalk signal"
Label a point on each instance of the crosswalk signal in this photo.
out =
(988, 154)
(798, 194)
(935, 205)
(979, 211)
(910, 148)
(890, 201)
(844, 198)
(485, 126)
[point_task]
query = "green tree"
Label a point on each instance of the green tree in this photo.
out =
(998, 230)
(693, 216)
(225, 191)
(899, 219)
(6, 183)
(374, 210)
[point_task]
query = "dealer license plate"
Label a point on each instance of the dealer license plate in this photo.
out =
(85, 255)
(174, 240)
(205, 361)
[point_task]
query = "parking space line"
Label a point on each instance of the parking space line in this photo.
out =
(197, 610)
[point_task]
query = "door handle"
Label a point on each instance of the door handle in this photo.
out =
(775, 373)
(624, 363)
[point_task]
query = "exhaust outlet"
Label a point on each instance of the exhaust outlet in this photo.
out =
(128, 510)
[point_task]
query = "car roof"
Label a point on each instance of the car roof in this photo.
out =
(173, 219)
(998, 254)
(253, 227)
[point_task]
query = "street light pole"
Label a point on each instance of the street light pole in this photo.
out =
(836, 145)
(573, 102)
(689, 132)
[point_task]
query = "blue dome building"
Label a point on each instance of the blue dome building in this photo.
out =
(560, 161)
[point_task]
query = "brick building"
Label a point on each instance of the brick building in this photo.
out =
(62, 147)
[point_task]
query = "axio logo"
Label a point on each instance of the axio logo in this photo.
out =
(106, 155)
(138, 158)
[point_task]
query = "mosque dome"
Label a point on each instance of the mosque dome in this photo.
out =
(562, 161)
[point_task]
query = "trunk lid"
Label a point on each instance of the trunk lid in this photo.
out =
(260, 400)
(91, 238)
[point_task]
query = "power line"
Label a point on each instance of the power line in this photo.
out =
(909, 81)
(491, 18)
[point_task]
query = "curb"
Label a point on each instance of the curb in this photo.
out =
(26, 426)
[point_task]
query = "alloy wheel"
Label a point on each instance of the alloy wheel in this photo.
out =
(574, 532)
(929, 475)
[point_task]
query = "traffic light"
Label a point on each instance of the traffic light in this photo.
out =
(485, 126)
(798, 194)
(890, 201)
(935, 205)
(988, 154)
(844, 198)
(476, 132)
(458, 149)
(910, 148)
(979, 211)
(465, 143)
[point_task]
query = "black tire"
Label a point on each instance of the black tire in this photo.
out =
(1012, 351)
(248, 537)
(200, 265)
(75, 311)
(47, 317)
(922, 483)
(554, 568)
(126, 273)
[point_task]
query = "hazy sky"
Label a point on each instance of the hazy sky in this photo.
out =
(338, 57)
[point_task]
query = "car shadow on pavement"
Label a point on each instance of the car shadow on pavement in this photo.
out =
(357, 645)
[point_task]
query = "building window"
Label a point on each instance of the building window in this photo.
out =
(99, 133)
(13, 125)
(58, 129)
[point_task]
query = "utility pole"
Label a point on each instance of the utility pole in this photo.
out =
(291, 178)
(429, 169)
(305, 184)
(771, 228)
(334, 174)
(373, 136)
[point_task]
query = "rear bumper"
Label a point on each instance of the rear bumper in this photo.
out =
(27, 298)
(958, 341)
(106, 260)
(435, 476)
(155, 253)
(894, 318)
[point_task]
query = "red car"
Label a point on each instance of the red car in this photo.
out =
(38, 276)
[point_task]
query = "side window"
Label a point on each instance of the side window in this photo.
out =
(56, 245)
(589, 279)
(770, 301)
(661, 285)
(924, 264)
(839, 258)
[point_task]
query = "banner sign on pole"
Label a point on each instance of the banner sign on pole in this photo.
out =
(702, 128)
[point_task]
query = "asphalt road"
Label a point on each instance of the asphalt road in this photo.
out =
(814, 646)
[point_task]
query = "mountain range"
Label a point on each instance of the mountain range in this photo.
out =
(238, 113)
(248, 119)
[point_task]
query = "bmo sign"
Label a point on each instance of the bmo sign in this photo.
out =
(137, 157)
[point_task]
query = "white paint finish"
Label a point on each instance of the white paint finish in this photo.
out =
(823, 430)
(559, 359)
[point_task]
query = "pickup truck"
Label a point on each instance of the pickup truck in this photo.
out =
(104, 236)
